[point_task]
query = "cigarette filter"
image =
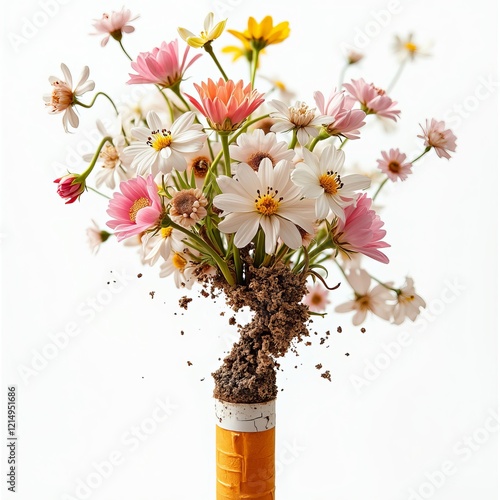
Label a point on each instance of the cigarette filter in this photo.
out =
(245, 447)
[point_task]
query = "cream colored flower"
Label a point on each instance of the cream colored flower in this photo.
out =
(210, 32)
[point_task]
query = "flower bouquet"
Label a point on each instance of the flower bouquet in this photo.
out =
(247, 194)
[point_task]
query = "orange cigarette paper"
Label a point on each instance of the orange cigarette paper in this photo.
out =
(245, 465)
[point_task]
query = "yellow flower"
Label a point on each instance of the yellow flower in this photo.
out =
(210, 32)
(245, 50)
(408, 48)
(260, 35)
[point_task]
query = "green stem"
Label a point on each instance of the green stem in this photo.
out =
(212, 172)
(247, 124)
(397, 290)
(124, 51)
(176, 89)
(227, 158)
(238, 266)
(343, 143)
(255, 64)
(210, 50)
(426, 150)
(293, 142)
(76, 101)
(382, 184)
(167, 100)
(395, 78)
(98, 192)
(222, 265)
(341, 269)
(85, 174)
(313, 143)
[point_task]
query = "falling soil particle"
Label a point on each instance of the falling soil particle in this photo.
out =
(319, 366)
(152, 294)
(139, 275)
(339, 329)
(363, 330)
(184, 301)
(327, 375)
(189, 363)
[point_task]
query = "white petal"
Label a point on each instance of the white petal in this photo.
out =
(290, 234)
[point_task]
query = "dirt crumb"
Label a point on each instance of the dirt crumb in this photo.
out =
(327, 375)
(184, 302)
(319, 366)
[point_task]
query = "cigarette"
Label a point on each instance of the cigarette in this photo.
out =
(245, 447)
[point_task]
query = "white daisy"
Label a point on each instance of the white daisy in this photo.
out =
(267, 199)
(408, 303)
(160, 149)
(114, 165)
(181, 267)
(254, 147)
(160, 244)
(300, 118)
(374, 300)
(63, 98)
(321, 179)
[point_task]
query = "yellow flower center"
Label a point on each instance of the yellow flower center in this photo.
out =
(267, 204)
(411, 47)
(179, 261)
(160, 139)
(136, 206)
(166, 232)
(330, 182)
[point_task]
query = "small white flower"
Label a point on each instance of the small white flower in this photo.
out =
(300, 118)
(63, 97)
(96, 237)
(160, 149)
(181, 267)
(254, 147)
(267, 199)
(114, 165)
(374, 300)
(408, 303)
(321, 179)
(160, 244)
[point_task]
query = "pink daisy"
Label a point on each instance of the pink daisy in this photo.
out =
(361, 232)
(347, 121)
(393, 164)
(374, 101)
(439, 138)
(162, 66)
(136, 209)
(316, 298)
(226, 105)
(114, 24)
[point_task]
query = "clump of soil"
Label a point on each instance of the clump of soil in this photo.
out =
(248, 373)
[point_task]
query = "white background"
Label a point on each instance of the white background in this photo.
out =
(380, 439)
